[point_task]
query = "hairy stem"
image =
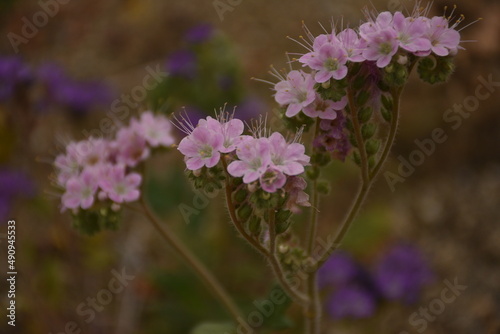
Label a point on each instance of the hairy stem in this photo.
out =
(359, 137)
(365, 185)
(194, 263)
(313, 223)
(270, 254)
(312, 311)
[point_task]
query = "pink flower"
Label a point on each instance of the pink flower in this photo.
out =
(325, 109)
(382, 45)
(67, 165)
(156, 129)
(290, 159)
(80, 191)
(444, 40)
(294, 188)
(329, 61)
(231, 130)
(352, 44)
(272, 179)
(383, 21)
(92, 151)
(410, 31)
(130, 147)
(254, 158)
(120, 187)
(297, 92)
(201, 148)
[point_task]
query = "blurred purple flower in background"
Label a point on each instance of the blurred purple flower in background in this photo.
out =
(13, 72)
(250, 107)
(225, 82)
(78, 96)
(182, 63)
(13, 184)
(354, 292)
(199, 33)
(401, 273)
(338, 270)
(351, 301)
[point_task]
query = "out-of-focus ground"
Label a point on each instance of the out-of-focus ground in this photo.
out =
(449, 206)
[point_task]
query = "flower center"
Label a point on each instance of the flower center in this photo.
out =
(322, 106)
(404, 38)
(332, 64)
(87, 192)
(120, 189)
(301, 96)
(255, 163)
(385, 48)
(269, 177)
(205, 151)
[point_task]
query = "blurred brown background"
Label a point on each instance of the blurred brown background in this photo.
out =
(449, 206)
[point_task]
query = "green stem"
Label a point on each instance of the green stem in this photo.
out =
(312, 311)
(270, 254)
(359, 137)
(199, 268)
(365, 185)
(396, 96)
(313, 223)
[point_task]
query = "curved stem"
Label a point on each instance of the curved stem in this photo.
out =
(313, 224)
(312, 311)
(270, 255)
(297, 296)
(234, 218)
(203, 273)
(365, 185)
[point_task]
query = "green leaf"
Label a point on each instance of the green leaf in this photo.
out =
(214, 328)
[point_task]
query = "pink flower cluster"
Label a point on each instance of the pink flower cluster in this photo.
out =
(379, 40)
(269, 160)
(99, 169)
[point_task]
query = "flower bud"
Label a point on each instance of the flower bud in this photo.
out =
(254, 225)
(323, 187)
(372, 146)
(368, 130)
(240, 195)
(402, 60)
(244, 212)
(362, 98)
(364, 114)
(435, 69)
(386, 114)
